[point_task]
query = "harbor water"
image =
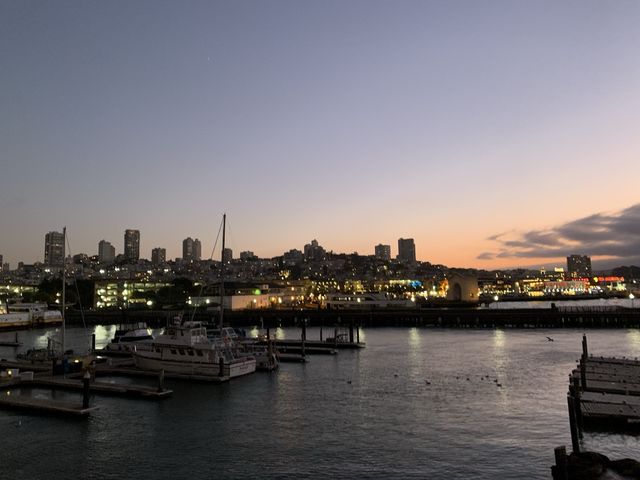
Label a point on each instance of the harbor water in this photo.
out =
(415, 403)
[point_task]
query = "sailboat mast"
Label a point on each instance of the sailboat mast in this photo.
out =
(224, 223)
(64, 282)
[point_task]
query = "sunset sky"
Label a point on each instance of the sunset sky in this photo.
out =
(496, 134)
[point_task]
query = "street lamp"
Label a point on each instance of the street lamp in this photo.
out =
(631, 297)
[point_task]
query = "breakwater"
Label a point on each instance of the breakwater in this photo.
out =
(569, 317)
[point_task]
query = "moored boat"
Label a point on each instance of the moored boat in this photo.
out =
(186, 349)
(127, 337)
(25, 315)
(240, 346)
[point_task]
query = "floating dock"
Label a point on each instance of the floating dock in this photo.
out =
(320, 347)
(291, 358)
(129, 371)
(4, 342)
(40, 405)
(604, 393)
(296, 349)
(99, 387)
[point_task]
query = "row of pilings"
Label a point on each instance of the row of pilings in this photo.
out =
(436, 317)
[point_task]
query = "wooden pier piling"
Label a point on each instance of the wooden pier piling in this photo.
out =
(573, 424)
(559, 471)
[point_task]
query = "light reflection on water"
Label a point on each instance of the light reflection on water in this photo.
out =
(633, 338)
(415, 403)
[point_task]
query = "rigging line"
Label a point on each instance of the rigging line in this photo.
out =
(216, 242)
(75, 283)
(193, 311)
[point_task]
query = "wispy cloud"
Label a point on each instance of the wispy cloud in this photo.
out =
(612, 235)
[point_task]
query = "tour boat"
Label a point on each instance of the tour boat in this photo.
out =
(365, 301)
(13, 319)
(25, 315)
(184, 348)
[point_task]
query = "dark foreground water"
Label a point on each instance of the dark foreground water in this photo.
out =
(364, 414)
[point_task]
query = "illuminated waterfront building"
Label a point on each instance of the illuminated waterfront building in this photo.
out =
(578, 266)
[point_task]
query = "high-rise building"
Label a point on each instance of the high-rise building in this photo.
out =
(227, 255)
(578, 266)
(247, 255)
(54, 249)
(132, 245)
(313, 251)
(106, 252)
(158, 256)
(406, 250)
(197, 249)
(191, 249)
(383, 252)
(1, 264)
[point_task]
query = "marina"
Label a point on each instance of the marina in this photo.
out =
(374, 399)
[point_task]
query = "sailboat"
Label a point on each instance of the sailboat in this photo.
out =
(64, 361)
(184, 348)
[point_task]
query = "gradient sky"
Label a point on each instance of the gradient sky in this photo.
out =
(353, 122)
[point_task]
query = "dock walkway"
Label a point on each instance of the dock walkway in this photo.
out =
(99, 387)
(41, 405)
(604, 391)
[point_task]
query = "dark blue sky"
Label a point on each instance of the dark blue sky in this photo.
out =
(353, 122)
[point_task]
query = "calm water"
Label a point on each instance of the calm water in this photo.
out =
(365, 414)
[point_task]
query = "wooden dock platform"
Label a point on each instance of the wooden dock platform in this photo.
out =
(30, 366)
(131, 371)
(100, 387)
(40, 405)
(14, 342)
(604, 392)
(297, 350)
(317, 344)
(292, 358)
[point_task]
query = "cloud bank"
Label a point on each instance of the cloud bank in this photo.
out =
(615, 236)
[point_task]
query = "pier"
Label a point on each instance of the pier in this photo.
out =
(23, 375)
(452, 317)
(604, 392)
(39, 405)
(108, 388)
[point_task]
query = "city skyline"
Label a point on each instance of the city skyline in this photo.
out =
(107, 253)
(495, 136)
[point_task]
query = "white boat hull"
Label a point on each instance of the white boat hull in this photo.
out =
(14, 320)
(235, 368)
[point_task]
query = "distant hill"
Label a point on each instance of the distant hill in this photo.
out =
(628, 272)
